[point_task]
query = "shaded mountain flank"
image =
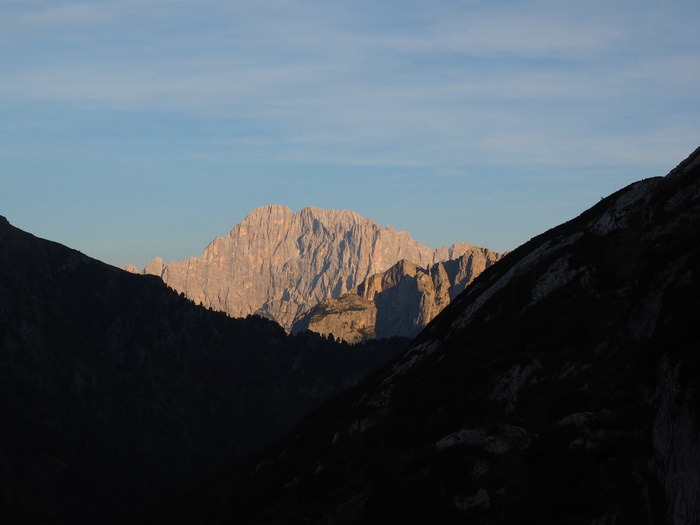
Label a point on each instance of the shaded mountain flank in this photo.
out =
(398, 302)
(279, 264)
(562, 387)
(116, 392)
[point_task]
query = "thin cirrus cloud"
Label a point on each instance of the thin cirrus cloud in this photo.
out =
(278, 67)
(312, 58)
(536, 35)
(450, 88)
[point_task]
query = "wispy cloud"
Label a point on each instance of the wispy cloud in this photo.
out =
(442, 87)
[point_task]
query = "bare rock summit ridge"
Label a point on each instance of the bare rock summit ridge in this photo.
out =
(280, 264)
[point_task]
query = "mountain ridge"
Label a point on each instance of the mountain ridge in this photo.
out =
(117, 392)
(561, 387)
(279, 264)
(400, 301)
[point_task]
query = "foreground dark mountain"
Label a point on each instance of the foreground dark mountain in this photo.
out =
(279, 264)
(562, 387)
(116, 392)
(398, 302)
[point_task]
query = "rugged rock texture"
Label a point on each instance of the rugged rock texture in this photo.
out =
(116, 392)
(562, 387)
(398, 302)
(278, 264)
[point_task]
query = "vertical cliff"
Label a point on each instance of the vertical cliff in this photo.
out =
(279, 264)
(398, 302)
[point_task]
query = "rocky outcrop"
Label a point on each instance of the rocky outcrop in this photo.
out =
(278, 264)
(561, 386)
(398, 302)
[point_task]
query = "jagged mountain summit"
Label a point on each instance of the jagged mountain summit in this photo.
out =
(398, 302)
(116, 392)
(279, 264)
(561, 387)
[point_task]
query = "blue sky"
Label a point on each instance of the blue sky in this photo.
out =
(133, 129)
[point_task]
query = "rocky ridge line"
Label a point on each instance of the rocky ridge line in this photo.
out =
(278, 263)
(400, 301)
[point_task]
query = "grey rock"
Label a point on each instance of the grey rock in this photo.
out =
(279, 264)
(398, 302)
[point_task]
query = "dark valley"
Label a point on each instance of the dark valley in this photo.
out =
(560, 388)
(117, 392)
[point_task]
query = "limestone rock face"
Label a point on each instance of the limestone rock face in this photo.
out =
(279, 264)
(400, 301)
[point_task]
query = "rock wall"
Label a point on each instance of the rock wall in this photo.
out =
(279, 264)
(398, 302)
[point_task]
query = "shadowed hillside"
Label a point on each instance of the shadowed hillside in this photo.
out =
(562, 387)
(116, 392)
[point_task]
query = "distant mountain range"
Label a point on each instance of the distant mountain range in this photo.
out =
(117, 392)
(561, 387)
(280, 264)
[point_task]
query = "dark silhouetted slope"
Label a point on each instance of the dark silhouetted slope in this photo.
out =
(562, 387)
(116, 392)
